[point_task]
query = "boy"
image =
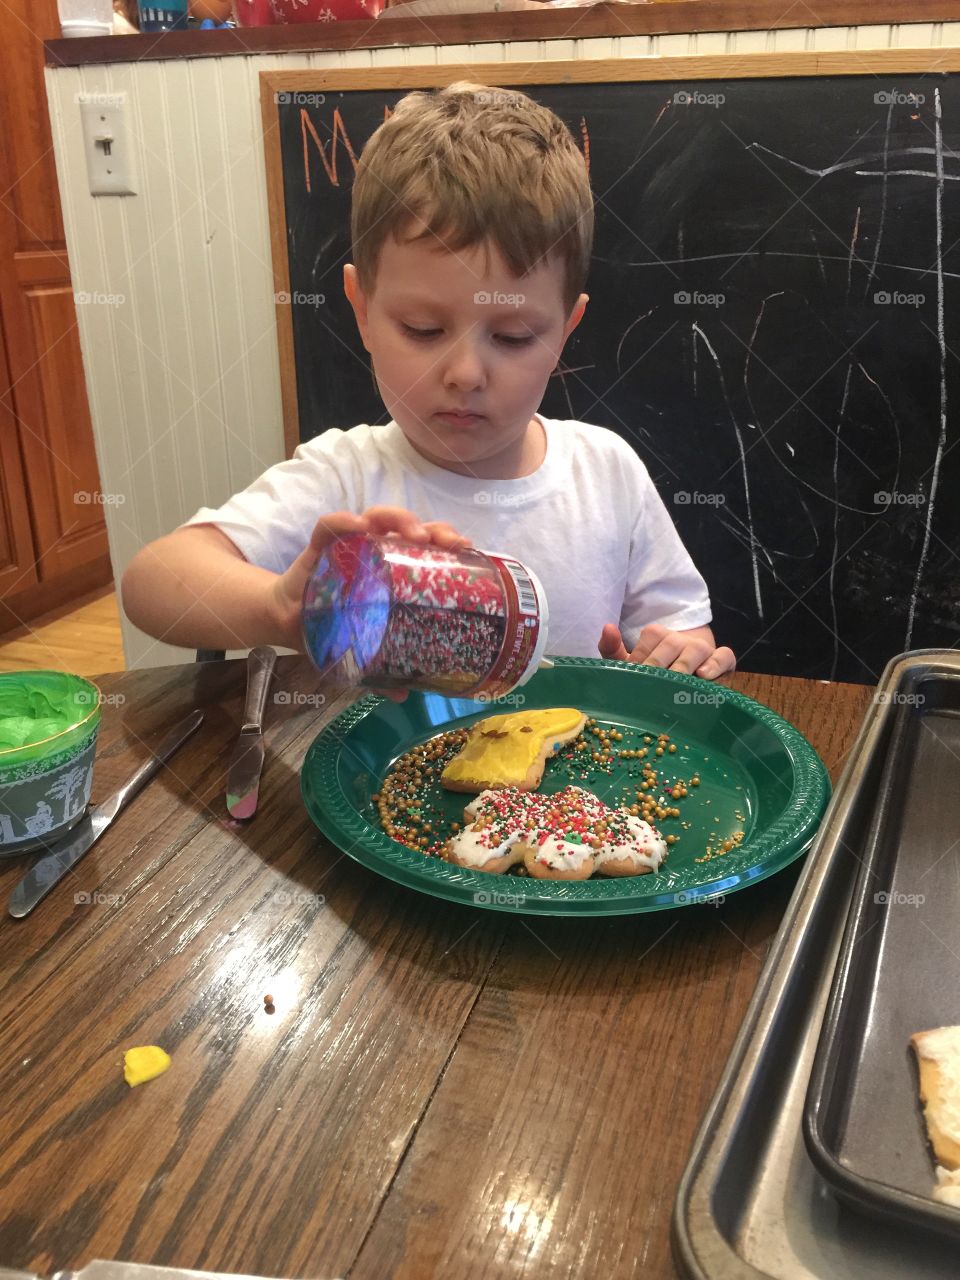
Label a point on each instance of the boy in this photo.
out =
(472, 227)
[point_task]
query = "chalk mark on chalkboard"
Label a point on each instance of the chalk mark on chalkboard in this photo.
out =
(852, 164)
(853, 250)
(798, 399)
(626, 333)
(767, 253)
(813, 237)
(942, 345)
(836, 524)
(883, 199)
(743, 468)
(339, 128)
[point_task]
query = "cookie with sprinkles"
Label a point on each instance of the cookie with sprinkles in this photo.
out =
(566, 836)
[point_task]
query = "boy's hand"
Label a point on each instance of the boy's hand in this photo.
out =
(286, 597)
(690, 651)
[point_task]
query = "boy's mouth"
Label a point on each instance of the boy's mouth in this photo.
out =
(456, 417)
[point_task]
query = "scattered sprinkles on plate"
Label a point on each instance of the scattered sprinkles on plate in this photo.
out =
(640, 760)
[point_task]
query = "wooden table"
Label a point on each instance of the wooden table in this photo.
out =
(441, 1091)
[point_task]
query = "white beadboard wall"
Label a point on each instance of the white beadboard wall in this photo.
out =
(183, 375)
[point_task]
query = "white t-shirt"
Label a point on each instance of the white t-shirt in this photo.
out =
(588, 521)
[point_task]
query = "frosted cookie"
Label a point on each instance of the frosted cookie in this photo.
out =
(566, 836)
(511, 750)
(947, 1190)
(938, 1060)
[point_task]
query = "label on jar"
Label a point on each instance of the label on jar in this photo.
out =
(524, 634)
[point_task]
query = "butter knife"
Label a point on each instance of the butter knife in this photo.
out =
(66, 852)
(243, 775)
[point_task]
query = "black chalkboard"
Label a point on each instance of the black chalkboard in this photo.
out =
(773, 324)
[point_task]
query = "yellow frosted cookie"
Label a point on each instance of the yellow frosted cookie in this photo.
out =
(511, 750)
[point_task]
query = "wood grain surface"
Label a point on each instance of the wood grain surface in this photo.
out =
(440, 1092)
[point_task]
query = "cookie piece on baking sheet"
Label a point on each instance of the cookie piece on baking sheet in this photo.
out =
(938, 1062)
(511, 750)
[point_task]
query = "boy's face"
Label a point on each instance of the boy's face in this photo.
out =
(452, 331)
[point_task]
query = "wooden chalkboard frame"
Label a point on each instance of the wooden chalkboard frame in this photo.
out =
(850, 62)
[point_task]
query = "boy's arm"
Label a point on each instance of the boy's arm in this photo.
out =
(194, 587)
(663, 583)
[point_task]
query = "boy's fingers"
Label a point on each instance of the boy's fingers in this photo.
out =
(719, 663)
(445, 535)
(330, 527)
(611, 643)
(647, 642)
(666, 653)
(691, 656)
(397, 520)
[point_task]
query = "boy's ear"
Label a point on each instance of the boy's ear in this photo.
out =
(576, 315)
(356, 298)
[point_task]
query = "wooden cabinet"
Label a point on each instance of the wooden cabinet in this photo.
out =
(53, 541)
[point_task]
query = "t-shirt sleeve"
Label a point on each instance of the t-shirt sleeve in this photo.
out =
(272, 519)
(663, 584)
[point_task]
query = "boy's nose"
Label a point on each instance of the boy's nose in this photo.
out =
(464, 367)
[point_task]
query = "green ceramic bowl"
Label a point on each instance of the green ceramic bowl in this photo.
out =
(758, 774)
(48, 731)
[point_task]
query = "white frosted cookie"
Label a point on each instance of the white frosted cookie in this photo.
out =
(566, 836)
(938, 1060)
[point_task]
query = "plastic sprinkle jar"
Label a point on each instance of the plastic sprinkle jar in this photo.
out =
(388, 613)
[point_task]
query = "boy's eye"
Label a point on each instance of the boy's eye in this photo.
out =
(508, 340)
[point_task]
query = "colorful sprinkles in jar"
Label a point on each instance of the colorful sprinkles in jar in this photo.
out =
(390, 613)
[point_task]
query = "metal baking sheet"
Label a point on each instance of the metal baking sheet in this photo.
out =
(750, 1203)
(898, 972)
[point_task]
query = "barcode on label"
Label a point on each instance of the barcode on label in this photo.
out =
(525, 590)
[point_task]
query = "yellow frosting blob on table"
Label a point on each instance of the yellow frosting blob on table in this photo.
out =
(144, 1063)
(501, 749)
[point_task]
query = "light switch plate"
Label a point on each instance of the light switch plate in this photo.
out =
(106, 144)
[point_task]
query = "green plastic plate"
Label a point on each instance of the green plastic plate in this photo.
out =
(750, 760)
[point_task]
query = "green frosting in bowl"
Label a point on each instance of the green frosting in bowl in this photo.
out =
(44, 711)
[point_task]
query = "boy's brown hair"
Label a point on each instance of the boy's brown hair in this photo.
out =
(475, 163)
